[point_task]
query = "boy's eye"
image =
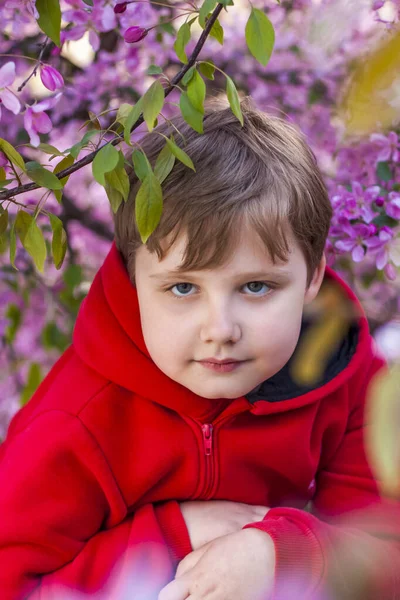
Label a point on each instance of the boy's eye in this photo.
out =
(254, 286)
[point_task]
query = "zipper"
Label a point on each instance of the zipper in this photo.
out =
(207, 430)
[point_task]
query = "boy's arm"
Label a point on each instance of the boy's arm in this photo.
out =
(57, 492)
(361, 546)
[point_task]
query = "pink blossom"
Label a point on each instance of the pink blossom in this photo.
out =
(37, 121)
(7, 76)
(357, 235)
(387, 248)
(393, 206)
(389, 146)
(51, 78)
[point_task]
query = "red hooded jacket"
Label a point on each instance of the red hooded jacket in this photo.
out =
(94, 466)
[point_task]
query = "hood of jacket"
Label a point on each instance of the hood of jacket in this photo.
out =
(108, 338)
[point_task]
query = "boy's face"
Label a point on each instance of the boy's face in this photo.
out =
(227, 312)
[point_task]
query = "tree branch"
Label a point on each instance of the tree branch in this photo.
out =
(28, 187)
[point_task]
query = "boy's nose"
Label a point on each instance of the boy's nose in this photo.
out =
(220, 327)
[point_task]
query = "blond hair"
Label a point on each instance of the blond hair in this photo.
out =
(263, 173)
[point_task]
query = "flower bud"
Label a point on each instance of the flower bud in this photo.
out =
(51, 78)
(120, 8)
(380, 201)
(135, 34)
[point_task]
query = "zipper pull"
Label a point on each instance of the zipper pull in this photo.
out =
(207, 438)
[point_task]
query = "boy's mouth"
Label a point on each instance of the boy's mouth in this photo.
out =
(224, 366)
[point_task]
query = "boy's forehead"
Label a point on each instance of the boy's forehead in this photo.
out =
(250, 259)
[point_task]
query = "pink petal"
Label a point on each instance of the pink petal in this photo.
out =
(10, 101)
(379, 138)
(358, 254)
(390, 272)
(46, 103)
(7, 74)
(345, 245)
(94, 40)
(381, 258)
(41, 122)
(28, 124)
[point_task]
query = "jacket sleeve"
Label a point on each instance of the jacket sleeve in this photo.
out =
(134, 559)
(350, 542)
(58, 492)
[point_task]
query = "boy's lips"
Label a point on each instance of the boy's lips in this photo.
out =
(220, 362)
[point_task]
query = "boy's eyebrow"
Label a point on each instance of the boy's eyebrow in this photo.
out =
(278, 273)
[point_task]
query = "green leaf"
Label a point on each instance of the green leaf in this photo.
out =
(53, 337)
(33, 382)
(49, 149)
(141, 164)
(31, 238)
(42, 176)
(3, 222)
(14, 315)
(123, 112)
(182, 39)
(59, 241)
(260, 36)
(2, 174)
(154, 70)
(66, 162)
(217, 32)
(383, 171)
(76, 148)
(233, 98)
(12, 155)
(206, 8)
(105, 161)
(164, 164)
(118, 180)
(148, 206)
(73, 276)
(180, 154)
(196, 91)
(33, 241)
(207, 69)
(13, 245)
(188, 75)
(49, 19)
(88, 2)
(131, 120)
(153, 101)
(193, 117)
(114, 196)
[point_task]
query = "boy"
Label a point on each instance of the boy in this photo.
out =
(171, 452)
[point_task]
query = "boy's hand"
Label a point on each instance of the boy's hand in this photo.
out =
(239, 566)
(207, 520)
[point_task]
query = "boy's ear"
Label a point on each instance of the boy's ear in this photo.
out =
(316, 281)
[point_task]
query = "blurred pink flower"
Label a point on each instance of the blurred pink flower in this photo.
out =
(389, 146)
(51, 78)
(7, 76)
(37, 121)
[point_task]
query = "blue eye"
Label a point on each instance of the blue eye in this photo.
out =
(186, 288)
(262, 283)
(181, 284)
